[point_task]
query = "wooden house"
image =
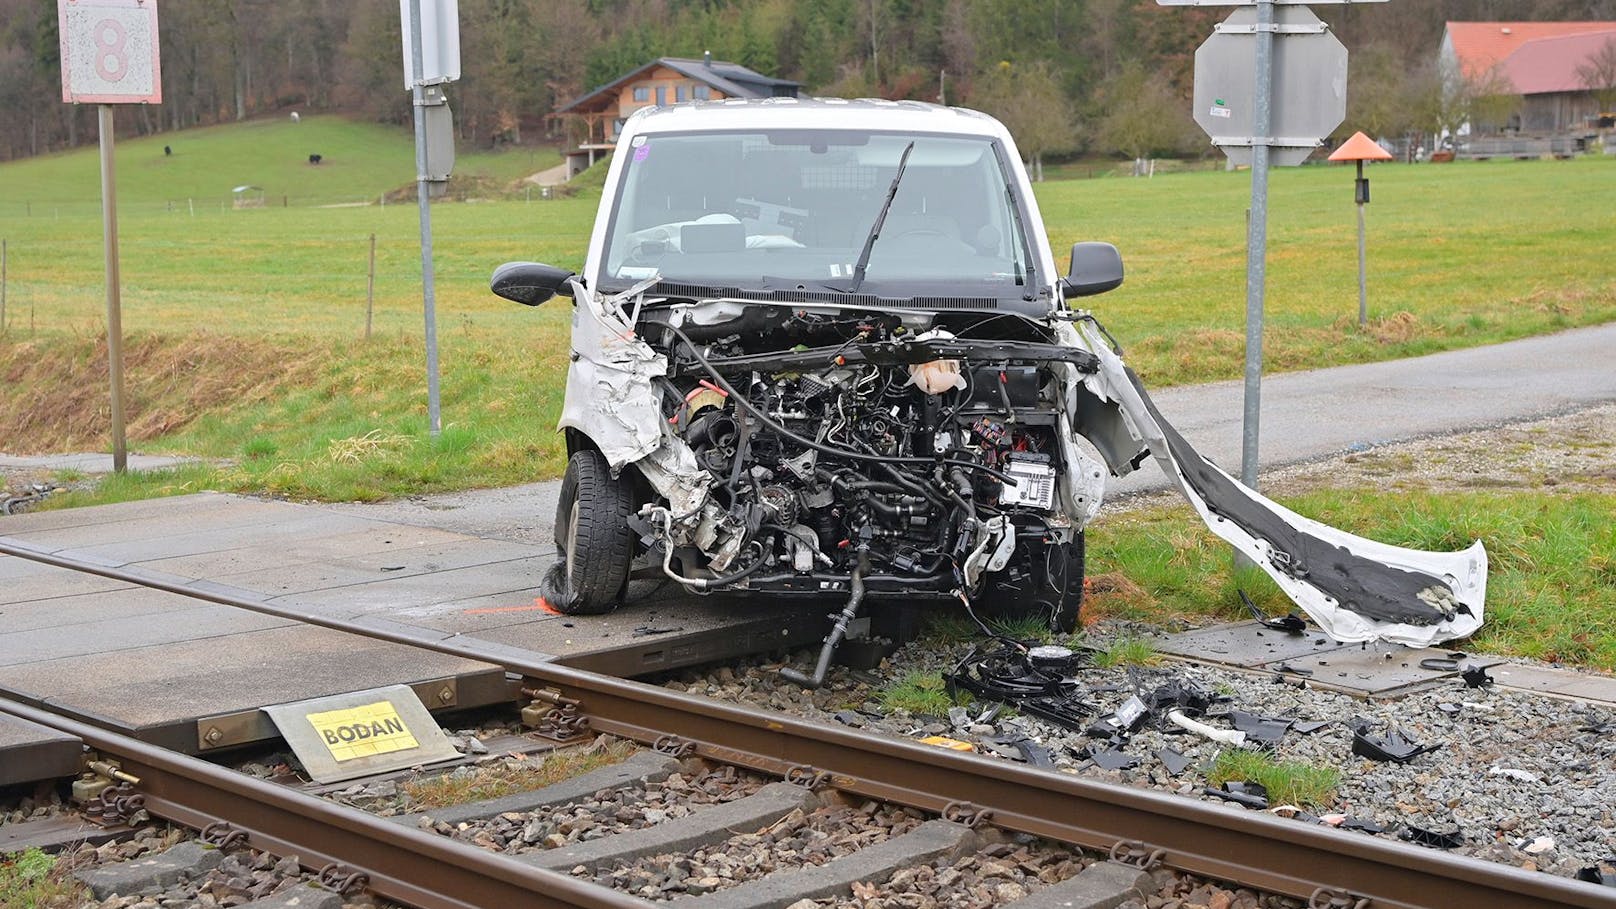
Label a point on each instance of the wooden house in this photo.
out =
(663, 81)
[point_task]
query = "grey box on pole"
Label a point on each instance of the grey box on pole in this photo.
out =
(1309, 85)
(440, 140)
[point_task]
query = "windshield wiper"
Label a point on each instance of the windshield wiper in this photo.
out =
(1015, 248)
(880, 219)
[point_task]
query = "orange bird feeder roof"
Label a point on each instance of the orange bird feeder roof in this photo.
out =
(1360, 148)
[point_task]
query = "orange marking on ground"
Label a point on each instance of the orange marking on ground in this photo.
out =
(539, 605)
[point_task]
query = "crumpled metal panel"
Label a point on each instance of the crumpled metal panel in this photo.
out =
(1356, 589)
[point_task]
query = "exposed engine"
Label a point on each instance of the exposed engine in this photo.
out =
(877, 459)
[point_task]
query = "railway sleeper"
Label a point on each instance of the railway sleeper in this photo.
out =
(635, 772)
(704, 828)
(929, 842)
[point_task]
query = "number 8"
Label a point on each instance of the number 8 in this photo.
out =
(113, 50)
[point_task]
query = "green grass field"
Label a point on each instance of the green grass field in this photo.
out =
(360, 161)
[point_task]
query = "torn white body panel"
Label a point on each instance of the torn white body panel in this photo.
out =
(611, 400)
(1357, 590)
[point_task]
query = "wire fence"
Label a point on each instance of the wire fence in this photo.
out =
(197, 206)
(356, 283)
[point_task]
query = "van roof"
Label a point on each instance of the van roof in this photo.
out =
(813, 113)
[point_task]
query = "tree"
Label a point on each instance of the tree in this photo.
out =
(1382, 92)
(1454, 99)
(1598, 75)
(1027, 98)
(1142, 117)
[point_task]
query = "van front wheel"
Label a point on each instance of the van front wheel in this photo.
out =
(594, 544)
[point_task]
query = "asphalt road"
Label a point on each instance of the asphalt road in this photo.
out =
(1306, 416)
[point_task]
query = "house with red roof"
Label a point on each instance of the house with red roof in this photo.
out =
(1546, 63)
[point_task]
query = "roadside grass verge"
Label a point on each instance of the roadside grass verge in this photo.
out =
(1551, 588)
(1288, 782)
(298, 418)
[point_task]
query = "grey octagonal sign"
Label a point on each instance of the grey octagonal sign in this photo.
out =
(1309, 88)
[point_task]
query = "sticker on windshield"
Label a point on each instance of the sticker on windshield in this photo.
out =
(641, 153)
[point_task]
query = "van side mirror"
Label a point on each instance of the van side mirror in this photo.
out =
(527, 283)
(1096, 268)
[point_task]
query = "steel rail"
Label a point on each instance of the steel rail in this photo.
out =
(1249, 848)
(400, 862)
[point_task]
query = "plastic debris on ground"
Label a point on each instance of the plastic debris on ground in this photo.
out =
(1395, 745)
(1602, 873)
(1436, 839)
(1251, 795)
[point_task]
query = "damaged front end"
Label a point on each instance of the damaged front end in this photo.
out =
(807, 450)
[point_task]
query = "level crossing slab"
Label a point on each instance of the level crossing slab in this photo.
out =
(158, 663)
(30, 752)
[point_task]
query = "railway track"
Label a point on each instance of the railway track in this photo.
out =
(1322, 866)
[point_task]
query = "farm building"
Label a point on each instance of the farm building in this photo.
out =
(1561, 70)
(663, 81)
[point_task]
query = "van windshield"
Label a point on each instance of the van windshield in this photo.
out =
(756, 209)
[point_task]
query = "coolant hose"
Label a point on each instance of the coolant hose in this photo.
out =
(837, 632)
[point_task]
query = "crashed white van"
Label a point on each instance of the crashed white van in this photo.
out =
(820, 347)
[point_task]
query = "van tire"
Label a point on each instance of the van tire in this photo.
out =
(594, 544)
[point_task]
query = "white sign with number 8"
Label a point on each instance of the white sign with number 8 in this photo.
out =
(110, 51)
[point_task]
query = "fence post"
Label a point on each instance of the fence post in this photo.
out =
(370, 289)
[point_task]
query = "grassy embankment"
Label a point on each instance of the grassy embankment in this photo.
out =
(247, 325)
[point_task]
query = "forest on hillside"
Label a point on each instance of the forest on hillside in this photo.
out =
(1109, 77)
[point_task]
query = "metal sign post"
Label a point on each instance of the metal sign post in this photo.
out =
(1270, 83)
(110, 55)
(432, 57)
(1262, 111)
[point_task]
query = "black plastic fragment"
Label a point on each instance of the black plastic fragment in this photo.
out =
(1185, 695)
(1035, 754)
(1173, 760)
(1288, 669)
(1433, 838)
(1265, 729)
(648, 630)
(1357, 823)
(1395, 745)
(1476, 677)
(849, 718)
(1602, 873)
(1251, 795)
(1112, 759)
(1068, 714)
(1290, 623)
(1308, 727)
